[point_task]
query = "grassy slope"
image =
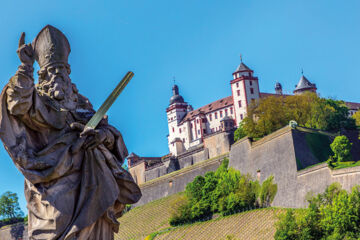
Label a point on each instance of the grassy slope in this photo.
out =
(152, 217)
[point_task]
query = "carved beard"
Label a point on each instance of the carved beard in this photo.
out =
(60, 88)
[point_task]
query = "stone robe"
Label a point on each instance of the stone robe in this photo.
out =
(70, 196)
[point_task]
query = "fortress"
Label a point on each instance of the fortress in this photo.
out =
(198, 141)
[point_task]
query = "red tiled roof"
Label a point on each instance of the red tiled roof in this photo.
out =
(353, 105)
(221, 103)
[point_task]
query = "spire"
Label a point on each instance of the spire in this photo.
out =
(242, 67)
(304, 85)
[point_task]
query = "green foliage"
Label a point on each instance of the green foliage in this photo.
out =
(239, 132)
(268, 192)
(225, 191)
(309, 110)
(333, 214)
(341, 147)
(356, 116)
(9, 206)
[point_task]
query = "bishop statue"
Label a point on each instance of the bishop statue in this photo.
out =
(72, 191)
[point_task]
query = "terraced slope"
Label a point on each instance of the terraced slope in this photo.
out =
(144, 220)
(153, 217)
(251, 225)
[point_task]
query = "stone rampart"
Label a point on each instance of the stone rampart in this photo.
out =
(14, 232)
(176, 181)
(282, 154)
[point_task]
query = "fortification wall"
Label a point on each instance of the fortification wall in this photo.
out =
(316, 179)
(281, 154)
(218, 143)
(176, 181)
(272, 155)
(14, 232)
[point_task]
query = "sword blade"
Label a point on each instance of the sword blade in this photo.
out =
(94, 121)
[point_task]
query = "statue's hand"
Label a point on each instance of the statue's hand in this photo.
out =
(95, 137)
(25, 51)
(89, 138)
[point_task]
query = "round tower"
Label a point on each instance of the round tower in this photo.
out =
(278, 88)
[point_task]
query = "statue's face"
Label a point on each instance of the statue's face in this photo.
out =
(56, 83)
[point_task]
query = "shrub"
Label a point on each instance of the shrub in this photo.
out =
(341, 147)
(225, 191)
(239, 132)
(333, 214)
(268, 191)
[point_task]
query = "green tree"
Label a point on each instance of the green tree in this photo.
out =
(269, 114)
(239, 132)
(333, 214)
(341, 148)
(356, 116)
(9, 205)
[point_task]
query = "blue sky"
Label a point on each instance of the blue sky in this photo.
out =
(198, 42)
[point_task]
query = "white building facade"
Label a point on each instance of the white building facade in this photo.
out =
(188, 127)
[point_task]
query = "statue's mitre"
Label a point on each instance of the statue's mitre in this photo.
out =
(51, 47)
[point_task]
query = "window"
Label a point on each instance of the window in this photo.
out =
(183, 140)
(226, 112)
(210, 118)
(238, 92)
(203, 120)
(179, 130)
(241, 116)
(237, 84)
(171, 118)
(191, 125)
(220, 113)
(250, 83)
(204, 131)
(216, 115)
(251, 90)
(231, 110)
(212, 130)
(199, 131)
(173, 129)
(197, 120)
(239, 102)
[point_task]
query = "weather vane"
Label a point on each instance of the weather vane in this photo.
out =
(240, 57)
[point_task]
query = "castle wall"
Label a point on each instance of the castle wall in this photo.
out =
(14, 232)
(155, 172)
(281, 154)
(176, 181)
(272, 155)
(138, 172)
(218, 143)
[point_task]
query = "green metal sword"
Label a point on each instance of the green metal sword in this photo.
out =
(94, 121)
(100, 113)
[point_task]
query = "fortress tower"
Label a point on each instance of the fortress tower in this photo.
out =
(304, 85)
(244, 89)
(175, 113)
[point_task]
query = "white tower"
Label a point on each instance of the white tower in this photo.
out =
(175, 113)
(245, 89)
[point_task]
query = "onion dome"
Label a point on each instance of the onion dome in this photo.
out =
(176, 98)
(278, 88)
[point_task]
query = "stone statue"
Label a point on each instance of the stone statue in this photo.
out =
(70, 194)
